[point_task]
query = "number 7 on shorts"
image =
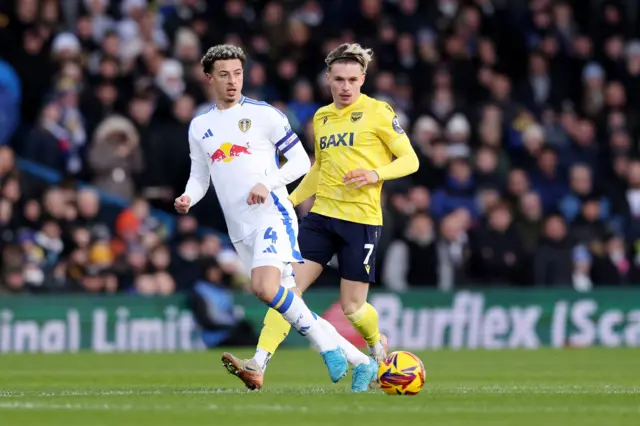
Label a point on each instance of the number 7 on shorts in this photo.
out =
(369, 248)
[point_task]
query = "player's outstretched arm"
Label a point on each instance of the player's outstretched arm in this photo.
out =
(199, 178)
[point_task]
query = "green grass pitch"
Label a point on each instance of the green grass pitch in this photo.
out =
(546, 387)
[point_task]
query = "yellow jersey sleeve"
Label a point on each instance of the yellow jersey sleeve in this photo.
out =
(393, 135)
(309, 184)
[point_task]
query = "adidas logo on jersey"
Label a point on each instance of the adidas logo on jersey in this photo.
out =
(207, 134)
(270, 249)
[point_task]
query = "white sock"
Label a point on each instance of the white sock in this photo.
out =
(262, 357)
(296, 312)
(353, 354)
(376, 349)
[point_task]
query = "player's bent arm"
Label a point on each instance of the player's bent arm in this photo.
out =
(406, 161)
(308, 186)
(392, 134)
(199, 177)
(297, 164)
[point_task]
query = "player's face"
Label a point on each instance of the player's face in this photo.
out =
(345, 81)
(226, 79)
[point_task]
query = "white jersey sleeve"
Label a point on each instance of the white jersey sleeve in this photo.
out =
(199, 177)
(287, 143)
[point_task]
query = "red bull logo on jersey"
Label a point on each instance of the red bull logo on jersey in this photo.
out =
(228, 151)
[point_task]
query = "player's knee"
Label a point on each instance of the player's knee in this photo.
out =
(265, 282)
(353, 296)
(350, 307)
(259, 287)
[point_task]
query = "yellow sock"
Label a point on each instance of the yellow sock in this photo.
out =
(365, 320)
(274, 331)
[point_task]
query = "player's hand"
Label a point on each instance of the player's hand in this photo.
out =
(182, 204)
(258, 194)
(360, 177)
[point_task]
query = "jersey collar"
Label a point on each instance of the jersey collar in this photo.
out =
(351, 107)
(239, 103)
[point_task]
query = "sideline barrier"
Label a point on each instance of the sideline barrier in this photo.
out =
(493, 319)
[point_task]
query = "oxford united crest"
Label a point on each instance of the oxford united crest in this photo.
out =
(244, 124)
(355, 116)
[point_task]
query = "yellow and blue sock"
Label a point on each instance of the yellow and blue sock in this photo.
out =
(295, 312)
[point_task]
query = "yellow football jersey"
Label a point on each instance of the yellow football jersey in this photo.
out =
(364, 135)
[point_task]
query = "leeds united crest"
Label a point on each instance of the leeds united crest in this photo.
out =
(355, 116)
(244, 124)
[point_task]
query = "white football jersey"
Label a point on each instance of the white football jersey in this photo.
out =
(239, 147)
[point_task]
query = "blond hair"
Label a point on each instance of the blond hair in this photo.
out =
(349, 52)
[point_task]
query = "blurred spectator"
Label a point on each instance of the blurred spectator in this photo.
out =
(548, 180)
(212, 304)
(302, 105)
(529, 218)
(554, 255)
(412, 260)
(10, 98)
(498, 256)
(458, 192)
(184, 263)
(613, 265)
(453, 250)
(115, 155)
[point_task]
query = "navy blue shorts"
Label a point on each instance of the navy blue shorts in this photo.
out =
(320, 237)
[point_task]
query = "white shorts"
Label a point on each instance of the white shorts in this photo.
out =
(274, 244)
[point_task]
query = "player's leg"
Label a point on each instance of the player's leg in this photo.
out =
(318, 243)
(364, 368)
(274, 331)
(248, 371)
(274, 327)
(314, 241)
(357, 268)
(275, 247)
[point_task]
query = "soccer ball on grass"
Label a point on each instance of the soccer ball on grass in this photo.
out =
(401, 373)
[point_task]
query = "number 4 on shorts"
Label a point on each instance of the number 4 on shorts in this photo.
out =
(270, 234)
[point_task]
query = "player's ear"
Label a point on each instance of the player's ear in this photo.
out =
(327, 77)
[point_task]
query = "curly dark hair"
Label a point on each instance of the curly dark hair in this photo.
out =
(222, 52)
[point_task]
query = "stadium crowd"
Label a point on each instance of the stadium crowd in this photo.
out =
(523, 114)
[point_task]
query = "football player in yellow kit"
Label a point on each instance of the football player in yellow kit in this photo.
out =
(356, 140)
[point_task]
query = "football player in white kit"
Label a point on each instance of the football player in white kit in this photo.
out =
(236, 144)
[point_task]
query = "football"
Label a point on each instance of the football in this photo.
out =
(401, 373)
